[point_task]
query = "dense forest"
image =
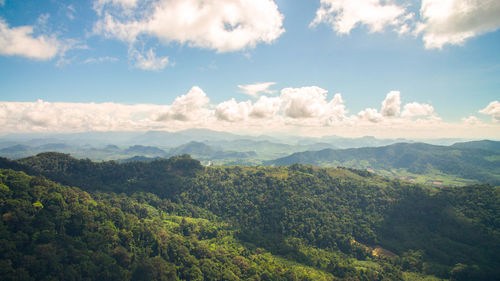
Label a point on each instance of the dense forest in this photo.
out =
(478, 161)
(174, 219)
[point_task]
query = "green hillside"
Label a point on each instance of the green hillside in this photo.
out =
(54, 232)
(282, 223)
(446, 164)
(482, 144)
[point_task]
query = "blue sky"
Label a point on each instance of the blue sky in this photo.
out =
(441, 60)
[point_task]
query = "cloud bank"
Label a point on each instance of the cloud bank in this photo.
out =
(303, 111)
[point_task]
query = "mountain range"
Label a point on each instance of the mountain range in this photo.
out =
(478, 160)
(453, 162)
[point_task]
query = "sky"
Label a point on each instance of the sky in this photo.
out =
(384, 68)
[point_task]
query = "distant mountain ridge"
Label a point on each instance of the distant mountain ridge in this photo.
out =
(145, 150)
(203, 151)
(413, 161)
(417, 158)
(193, 148)
(172, 139)
(482, 144)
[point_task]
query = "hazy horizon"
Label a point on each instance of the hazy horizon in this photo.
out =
(235, 133)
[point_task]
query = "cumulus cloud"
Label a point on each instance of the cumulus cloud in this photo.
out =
(305, 111)
(391, 106)
(416, 109)
(233, 111)
(440, 22)
(345, 15)
(255, 89)
(304, 102)
(308, 102)
(265, 107)
(2, 2)
(224, 26)
(455, 21)
(336, 109)
(305, 105)
(492, 109)
(471, 120)
(40, 114)
(148, 61)
(370, 114)
(20, 41)
(188, 107)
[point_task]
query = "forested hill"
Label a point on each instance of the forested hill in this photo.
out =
(482, 144)
(464, 160)
(175, 219)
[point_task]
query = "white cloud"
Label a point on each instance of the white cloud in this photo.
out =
(370, 114)
(2, 2)
(188, 107)
(306, 106)
(19, 41)
(337, 110)
(307, 102)
(149, 61)
(471, 120)
(391, 106)
(224, 26)
(41, 116)
(416, 109)
(440, 22)
(233, 111)
(492, 109)
(455, 21)
(265, 107)
(267, 115)
(255, 89)
(345, 15)
(303, 102)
